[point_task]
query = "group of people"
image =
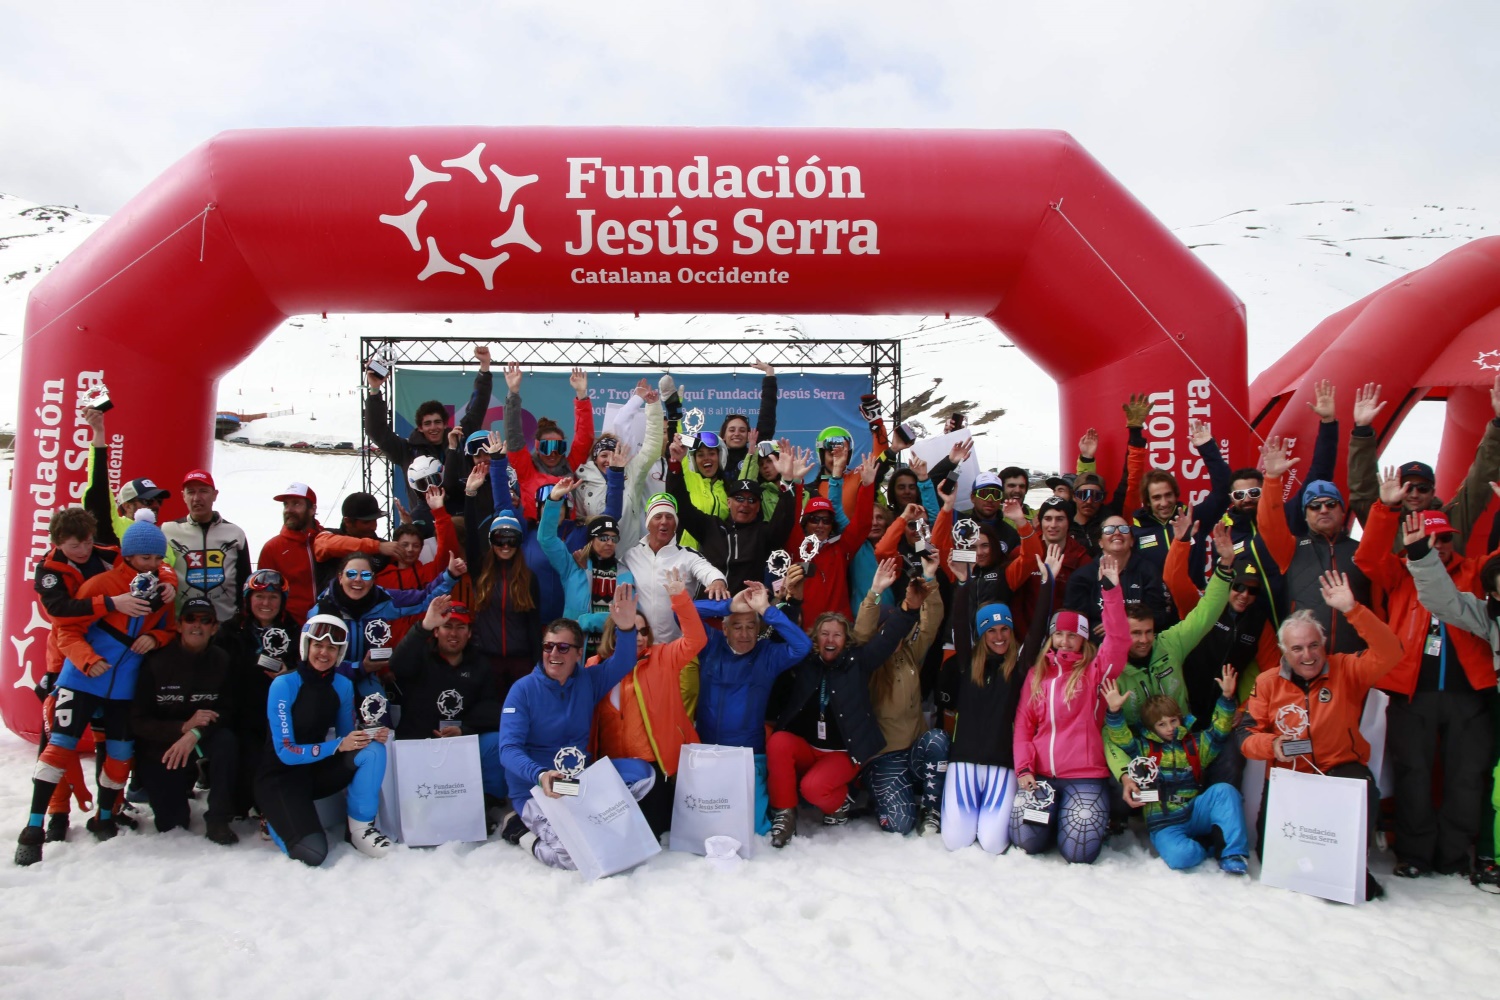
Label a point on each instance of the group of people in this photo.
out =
(962, 666)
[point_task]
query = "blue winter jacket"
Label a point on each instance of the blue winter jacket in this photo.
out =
(734, 688)
(387, 606)
(578, 596)
(298, 732)
(541, 716)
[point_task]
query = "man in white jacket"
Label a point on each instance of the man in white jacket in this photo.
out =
(657, 552)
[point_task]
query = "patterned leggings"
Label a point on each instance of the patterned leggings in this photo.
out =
(1079, 823)
(908, 782)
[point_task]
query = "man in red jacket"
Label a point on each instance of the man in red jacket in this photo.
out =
(826, 586)
(290, 552)
(1440, 695)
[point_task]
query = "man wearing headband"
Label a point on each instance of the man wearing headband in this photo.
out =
(552, 459)
(657, 552)
(1440, 693)
(427, 437)
(1327, 546)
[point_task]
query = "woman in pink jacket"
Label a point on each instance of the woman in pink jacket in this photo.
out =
(1058, 741)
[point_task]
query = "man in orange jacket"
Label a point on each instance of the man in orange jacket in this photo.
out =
(1317, 696)
(102, 652)
(1440, 695)
(644, 715)
(290, 551)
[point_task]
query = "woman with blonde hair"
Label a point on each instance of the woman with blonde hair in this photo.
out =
(644, 716)
(1059, 727)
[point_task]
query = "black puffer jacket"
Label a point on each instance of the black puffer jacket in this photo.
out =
(425, 677)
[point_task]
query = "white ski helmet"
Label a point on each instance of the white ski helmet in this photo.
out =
(424, 471)
(330, 628)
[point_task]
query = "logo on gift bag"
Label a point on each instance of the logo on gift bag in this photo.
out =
(609, 815)
(702, 805)
(1309, 834)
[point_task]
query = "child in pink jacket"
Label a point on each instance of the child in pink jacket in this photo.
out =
(1059, 723)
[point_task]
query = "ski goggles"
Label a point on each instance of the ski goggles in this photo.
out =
(265, 579)
(766, 449)
(424, 483)
(1089, 493)
(989, 493)
(475, 443)
(838, 439)
(704, 439)
(1253, 493)
(334, 632)
(550, 447)
(505, 538)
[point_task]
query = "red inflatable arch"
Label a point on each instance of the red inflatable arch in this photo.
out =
(1433, 333)
(252, 227)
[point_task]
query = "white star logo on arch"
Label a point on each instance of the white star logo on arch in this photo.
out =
(471, 165)
(1488, 361)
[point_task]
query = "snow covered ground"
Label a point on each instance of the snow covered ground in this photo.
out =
(851, 912)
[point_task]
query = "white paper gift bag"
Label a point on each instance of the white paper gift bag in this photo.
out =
(715, 797)
(1315, 835)
(602, 827)
(438, 791)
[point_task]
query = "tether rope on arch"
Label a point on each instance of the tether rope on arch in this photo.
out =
(1057, 207)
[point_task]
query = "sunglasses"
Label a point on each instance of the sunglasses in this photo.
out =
(1322, 504)
(610, 538)
(989, 493)
(199, 618)
(1253, 493)
(1245, 588)
(359, 574)
(1418, 487)
(820, 519)
(1089, 494)
(1444, 537)
(1115, 529)
(558, 647)
(742, 498)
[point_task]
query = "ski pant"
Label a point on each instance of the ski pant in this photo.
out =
(251, 745)
(286, 793)
(72, 713)
(491, 773)
(906, 783)
(1220, 806)
(1078, 824)
(1453, 727)
(820, 776)
(977, 800)
(170, 791)
(639, 776)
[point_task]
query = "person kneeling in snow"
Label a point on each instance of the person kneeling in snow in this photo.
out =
(552, 708)
(306, 765)
(1185, 812)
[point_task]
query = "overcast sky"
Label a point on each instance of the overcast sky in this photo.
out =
(1200, 109)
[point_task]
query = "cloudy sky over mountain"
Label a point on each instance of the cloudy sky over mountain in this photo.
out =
(1200, 109)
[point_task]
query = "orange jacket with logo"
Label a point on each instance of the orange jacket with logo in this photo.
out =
(1408, 618)
(1334, 700)
(644, 716)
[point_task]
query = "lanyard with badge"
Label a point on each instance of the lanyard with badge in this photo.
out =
(823, 707)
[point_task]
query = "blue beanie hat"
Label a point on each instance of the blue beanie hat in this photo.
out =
(143, 539)
(991, 615)
(1321, 488)
(505, 520)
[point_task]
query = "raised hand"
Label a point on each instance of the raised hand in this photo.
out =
(495, 443)
(1183, 525)
(477, 476)
(758, 596)
(672, 582)
(434, 497)
(804, 463)
(1109, 569)
(961, 451)
(1228, 681)
(401, 511)
(1224, 545)
(437, 612)
(455, 438)
(1336, 593)
(457, 567)
(1088, 445)
(837, 463)
(1414, 533)
(1054, 560)
(887, 573)
(762, 367)
(1368, 404)
(961, 569)
(579, 380)
(1392, 491)
(1113, 696)
(620, 457)
(677, 451)
(867, 470)
(642, 389)
(740, 602)
(1322, 402)
(1199, 433)
(512, 377)
(564, 486)
(1136, 408)
(622, 607)
(1014, 512)
(482, 354)
(919, 467)
(791, 584)
(1273, 455)
(913, 513)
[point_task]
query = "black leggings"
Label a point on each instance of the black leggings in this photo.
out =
(286, 796)
(169, 791)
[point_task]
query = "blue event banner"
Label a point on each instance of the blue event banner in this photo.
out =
(806, 403)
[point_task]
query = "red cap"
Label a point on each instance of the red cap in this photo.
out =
(199, 476)
(460, 613)
(817, 505)
(298, 491)
(1435, 522)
